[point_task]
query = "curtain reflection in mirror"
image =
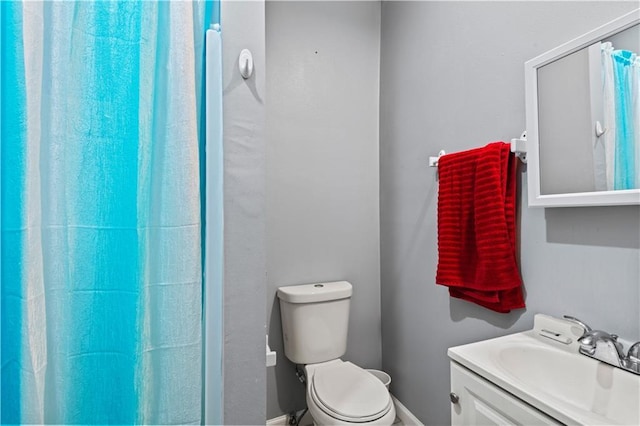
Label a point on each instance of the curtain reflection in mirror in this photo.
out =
(621, 138)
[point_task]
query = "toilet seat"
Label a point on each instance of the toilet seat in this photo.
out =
(346, 392)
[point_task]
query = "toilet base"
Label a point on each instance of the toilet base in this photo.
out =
(320, 418)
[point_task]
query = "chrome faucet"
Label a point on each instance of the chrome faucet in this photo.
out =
(634, 351)
(605, 347)
(575, 320)
(632, 360)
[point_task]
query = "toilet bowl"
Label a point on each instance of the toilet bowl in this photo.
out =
(341, 393)
(315, 319)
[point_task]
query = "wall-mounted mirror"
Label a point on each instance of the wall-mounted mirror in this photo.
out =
(583, 119)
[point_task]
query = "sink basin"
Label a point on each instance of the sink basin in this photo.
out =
(586, 384)
(554, 378)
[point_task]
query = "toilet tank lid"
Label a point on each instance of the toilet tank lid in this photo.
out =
(316, 292)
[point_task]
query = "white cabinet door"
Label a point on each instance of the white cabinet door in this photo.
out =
(480, 402)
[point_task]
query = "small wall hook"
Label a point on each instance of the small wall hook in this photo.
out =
(245, 63)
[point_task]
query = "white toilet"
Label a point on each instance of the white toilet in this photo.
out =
(315, 319)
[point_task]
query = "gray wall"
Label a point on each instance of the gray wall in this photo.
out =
(322, 170)
(452, 78)
(628, 39)
(244, 220)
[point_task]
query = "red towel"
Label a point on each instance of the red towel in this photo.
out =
(477, 227)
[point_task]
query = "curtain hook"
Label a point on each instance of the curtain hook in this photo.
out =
(245, 63)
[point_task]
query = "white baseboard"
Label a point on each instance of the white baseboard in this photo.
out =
(402, 413)
(406, 417)
(283, 420)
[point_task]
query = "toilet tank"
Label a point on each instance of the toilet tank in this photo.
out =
(315, 320)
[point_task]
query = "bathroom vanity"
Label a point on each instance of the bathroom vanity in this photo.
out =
(538, 378)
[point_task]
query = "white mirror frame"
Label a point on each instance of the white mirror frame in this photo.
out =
(598, 198)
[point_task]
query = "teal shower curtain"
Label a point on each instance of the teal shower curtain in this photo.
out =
(621, 101)
(101, 215)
